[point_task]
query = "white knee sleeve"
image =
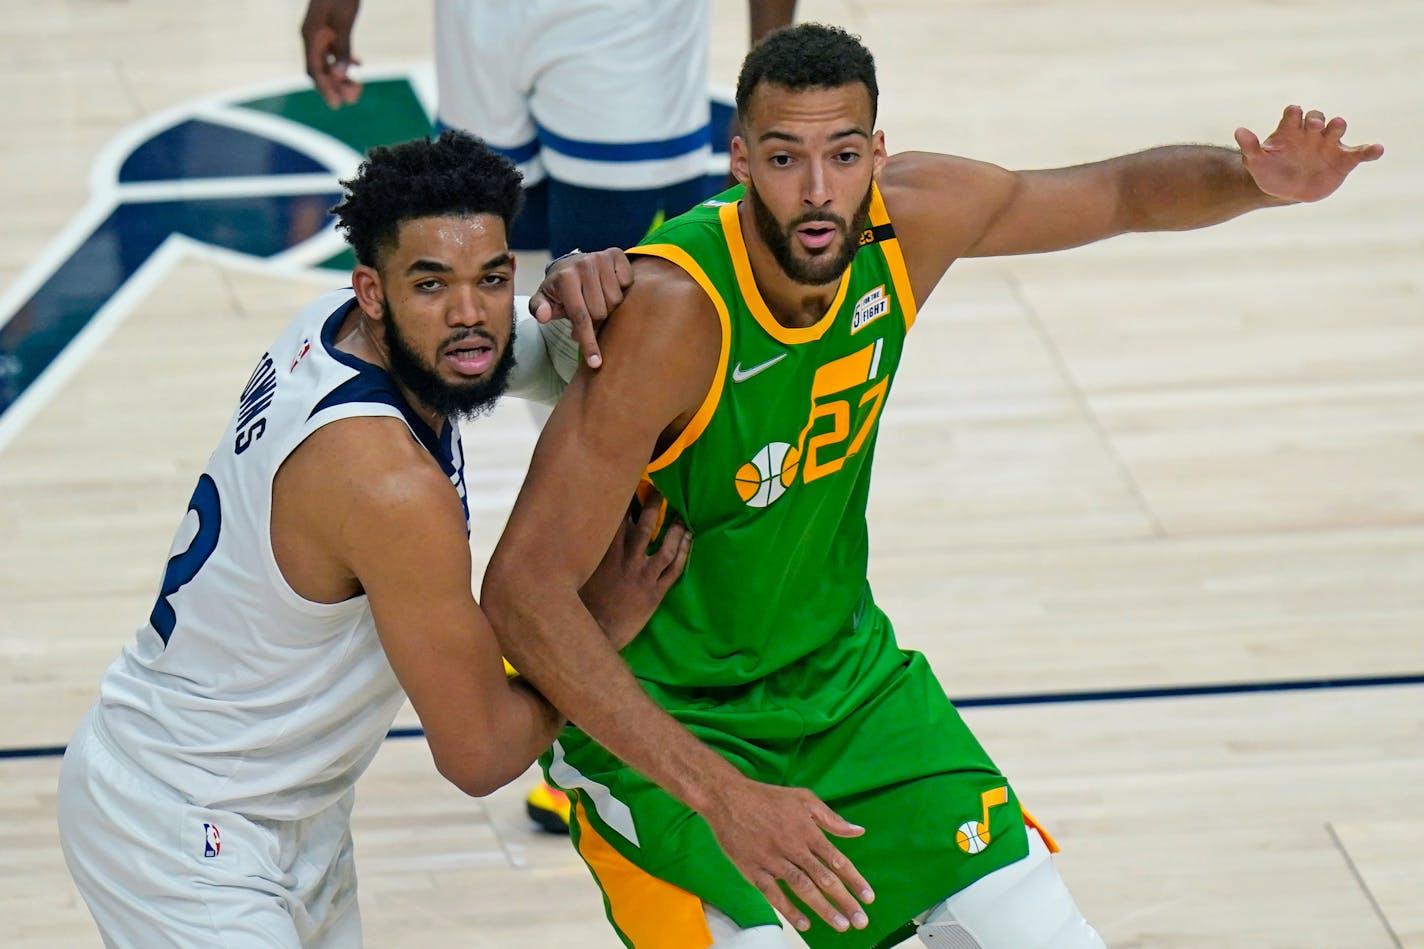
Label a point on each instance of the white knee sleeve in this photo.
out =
(1022, 906)
(728, 935)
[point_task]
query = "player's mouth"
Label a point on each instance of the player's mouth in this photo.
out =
(816, 235)
(471, 356)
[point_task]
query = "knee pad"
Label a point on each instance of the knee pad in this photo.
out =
(1024, 905)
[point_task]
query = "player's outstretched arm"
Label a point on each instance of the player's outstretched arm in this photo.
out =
(945, 207)
(660, 351)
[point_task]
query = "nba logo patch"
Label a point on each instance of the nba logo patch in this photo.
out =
(301, 354)
(212, 840)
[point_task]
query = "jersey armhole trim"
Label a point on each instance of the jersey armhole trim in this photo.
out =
(894, 259)
(676, 255)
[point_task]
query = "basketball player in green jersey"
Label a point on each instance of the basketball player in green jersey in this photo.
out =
(765, 745)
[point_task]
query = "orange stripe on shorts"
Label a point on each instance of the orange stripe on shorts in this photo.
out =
(650, 912)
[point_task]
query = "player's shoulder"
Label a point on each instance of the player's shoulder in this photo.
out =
(665, 286)
(912, 180)
(370, 462)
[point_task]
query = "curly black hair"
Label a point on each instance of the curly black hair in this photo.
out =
(455, 174)
(808, 56)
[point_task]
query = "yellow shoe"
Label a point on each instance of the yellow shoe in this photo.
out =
(548, 807)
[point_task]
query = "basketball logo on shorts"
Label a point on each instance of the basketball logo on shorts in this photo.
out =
(972, 836)
(767, 476)
(212, 840)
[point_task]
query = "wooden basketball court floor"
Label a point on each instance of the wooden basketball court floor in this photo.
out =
(1108, 477)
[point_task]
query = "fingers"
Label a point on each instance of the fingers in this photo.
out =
(1314, 120)
(329, 62)
(1366, 152)
(1291, 118)
(1247, 141)
(1335, 129)
(823, 894)
(540, 308)
(647, 522)
(678, 561)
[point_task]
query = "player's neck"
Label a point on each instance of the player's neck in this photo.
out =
(360, 337)
(794, 305)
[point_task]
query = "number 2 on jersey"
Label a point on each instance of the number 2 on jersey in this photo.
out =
(184, 566)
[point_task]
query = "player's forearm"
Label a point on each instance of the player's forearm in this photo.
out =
(1181, 187)
(554, 642)
(534, 378)
(767, 15)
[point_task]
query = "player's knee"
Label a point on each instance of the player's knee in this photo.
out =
(1024, 905)
(728, 935)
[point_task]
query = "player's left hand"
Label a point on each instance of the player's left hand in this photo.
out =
(629, 583)
(583, 289)
(1303, 159)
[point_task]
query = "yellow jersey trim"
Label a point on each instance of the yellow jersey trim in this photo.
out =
(746, 282)
(676, 255)
(894, 259)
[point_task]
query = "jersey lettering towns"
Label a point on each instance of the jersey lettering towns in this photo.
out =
(239, 691)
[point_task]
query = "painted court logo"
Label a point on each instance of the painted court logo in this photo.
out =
(767, 476)
(212, 840)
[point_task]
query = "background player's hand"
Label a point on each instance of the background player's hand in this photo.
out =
(326, 36)
(1303, 159)
(629, 583)
(583, 289)
(777, 835)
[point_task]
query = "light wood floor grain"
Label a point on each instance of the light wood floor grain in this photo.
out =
(1165, 460)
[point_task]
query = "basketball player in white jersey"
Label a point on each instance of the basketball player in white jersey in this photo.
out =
(321, 575)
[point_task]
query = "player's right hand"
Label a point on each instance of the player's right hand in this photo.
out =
(326, 37)
(777, 835)
(583, 289)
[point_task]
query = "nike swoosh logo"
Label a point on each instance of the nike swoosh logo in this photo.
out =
(742, 375)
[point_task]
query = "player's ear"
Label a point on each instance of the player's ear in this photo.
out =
(878, 153)
(741, 160)
(366, 281)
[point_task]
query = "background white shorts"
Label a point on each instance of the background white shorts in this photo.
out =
(159, 872)
(598, 93)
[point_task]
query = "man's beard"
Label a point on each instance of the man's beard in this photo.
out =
(456, 401)
(823, 267)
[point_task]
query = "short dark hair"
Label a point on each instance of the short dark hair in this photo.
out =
(455, 174)
(808, 56)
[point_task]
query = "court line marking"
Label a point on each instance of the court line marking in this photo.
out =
(1027, 698)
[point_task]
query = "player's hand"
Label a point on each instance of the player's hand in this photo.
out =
(777, 835)
(629, 583)
(326, 36)
(583, 289)
(1303, 159)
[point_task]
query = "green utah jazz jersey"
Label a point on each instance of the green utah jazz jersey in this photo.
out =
(773, 472)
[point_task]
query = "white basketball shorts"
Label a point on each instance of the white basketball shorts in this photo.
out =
(608, 94)
(159, 872)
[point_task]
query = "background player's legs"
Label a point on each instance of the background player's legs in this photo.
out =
(1024, 905)
(595, 218)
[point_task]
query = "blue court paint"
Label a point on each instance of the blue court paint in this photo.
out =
(1031, 698)
(264, 212)
(199, 149)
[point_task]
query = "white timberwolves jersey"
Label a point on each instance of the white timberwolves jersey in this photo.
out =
(238, 692)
